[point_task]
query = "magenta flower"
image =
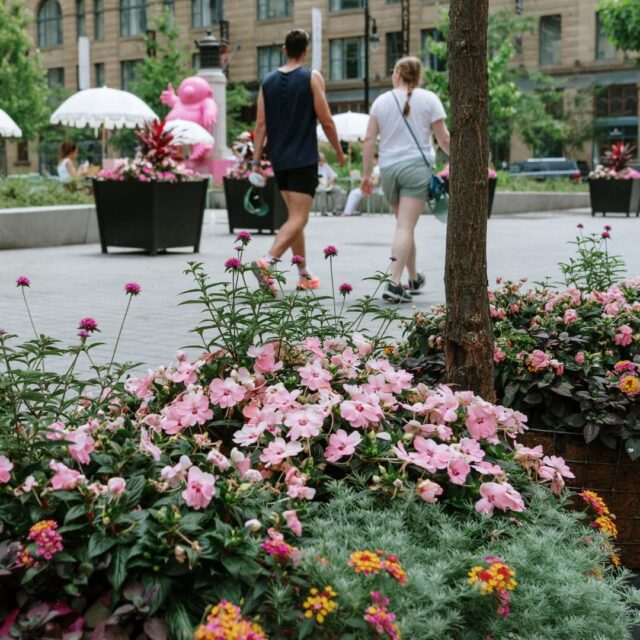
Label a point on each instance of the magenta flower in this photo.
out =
(605, 234)
(345, 289)
(580, 225)
(330, 251)
(88, 324)
(607, 227)
(232, 263)
(297, 260)
(132, 288)
(2, 331)
(23, 281)
(244, 237)
(393, 259)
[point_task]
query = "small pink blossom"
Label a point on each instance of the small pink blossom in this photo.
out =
(458, 470)
(88, 324)
(200, 489)
(314, 376)
(218, 460)
(538, 360)
(116, 486)
(147, 446)
(5, 469)
(429, 490)
(341, 445)
(226, 393)
(82, 446)
(481, 421)
(306, 423)
(176, 475)
(186, 372)
(64, 478)
(293, 522)
(570, 316)
(500, 495)
(624, 336)
(330, 251)
(279, 450)
(193, 409)
(498, 354)
(132, 288)
(23, 281)
(265, 358)
(580, 357)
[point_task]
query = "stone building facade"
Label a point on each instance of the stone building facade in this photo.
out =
(568, 44)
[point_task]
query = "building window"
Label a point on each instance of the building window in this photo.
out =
(430, 59)
(519, 7)
(394, 50)
(205, 13)
(550, 41)
(170, 6)
(270, 9)
(55, 78)
(81, 19)
(347, 58)
(341, 5)
(605, 50)
(22, 153)
(269, 59)
(49, 23)
(133, 17)
(98, 20)
(99, 71)
(128, 73)
(617, 101)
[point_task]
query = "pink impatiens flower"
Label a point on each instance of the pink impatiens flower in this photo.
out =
(200, 489)
(64, 477)
(624, 337)
(500, 495)
(116, 485)
(82, 446)
(482, 422)
(193, 409)
(293, 522)
(314, 376)
(570, 315)
(226, 393)
(458, 470)
(265, 358)
(342, 444)
(5, 469)
(304, 424)
(279, 450)
(429, 490)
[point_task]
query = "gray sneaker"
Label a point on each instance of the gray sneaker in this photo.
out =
(416, 286)
(396, 293)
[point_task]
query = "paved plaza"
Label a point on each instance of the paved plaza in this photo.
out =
(71, 282)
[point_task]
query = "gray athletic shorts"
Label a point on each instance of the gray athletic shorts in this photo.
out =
(409, 178)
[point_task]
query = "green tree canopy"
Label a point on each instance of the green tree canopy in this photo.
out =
(23, 84)
(621, 22)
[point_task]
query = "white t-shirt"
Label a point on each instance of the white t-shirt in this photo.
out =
(326, 173)
(63, 170)
(396, 143)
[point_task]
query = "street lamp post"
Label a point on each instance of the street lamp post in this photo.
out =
(370, 37)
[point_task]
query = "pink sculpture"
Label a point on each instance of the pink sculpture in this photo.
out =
(194, 101)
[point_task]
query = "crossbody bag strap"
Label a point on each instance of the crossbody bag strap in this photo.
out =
(413, 135)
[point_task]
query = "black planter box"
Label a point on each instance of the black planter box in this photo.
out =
(153, 216)
(240, 218)
(614, 196)
(492, 191)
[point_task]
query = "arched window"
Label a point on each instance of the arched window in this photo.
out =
(49, 23)
(133, 17)
(205, 13)
(81, 19)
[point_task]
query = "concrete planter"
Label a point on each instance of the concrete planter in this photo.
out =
(240, 218)
(153, 216)
(614, 196)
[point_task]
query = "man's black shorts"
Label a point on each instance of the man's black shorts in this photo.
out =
(300, 180)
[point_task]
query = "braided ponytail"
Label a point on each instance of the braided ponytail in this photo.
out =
(410, 70)
(406, 108)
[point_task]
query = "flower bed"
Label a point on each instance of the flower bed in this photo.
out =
(292, 478)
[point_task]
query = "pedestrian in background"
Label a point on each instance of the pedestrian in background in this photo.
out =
(406, 119)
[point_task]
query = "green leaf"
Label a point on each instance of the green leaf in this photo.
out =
(177, 619)
(117, 571)
(590, 432)
(99, 543)
(563, 389)
(75, 512)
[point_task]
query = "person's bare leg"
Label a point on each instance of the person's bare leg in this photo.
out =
(411, 261)
(408, 213)
(291, 233)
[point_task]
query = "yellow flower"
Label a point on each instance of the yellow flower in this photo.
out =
(496, 577)
(367, 562)
(595, 502)
(606, 525)
(629, 385)
(319, 604)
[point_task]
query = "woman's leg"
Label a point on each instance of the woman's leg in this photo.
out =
(403, 248)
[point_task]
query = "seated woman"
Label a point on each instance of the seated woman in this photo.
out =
(68, 155)
(355, 195)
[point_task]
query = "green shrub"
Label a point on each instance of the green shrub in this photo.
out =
(40, 192)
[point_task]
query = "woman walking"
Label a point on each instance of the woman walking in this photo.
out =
(406, 119)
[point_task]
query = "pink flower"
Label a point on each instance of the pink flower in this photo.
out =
(361, 412)
(297, 260)
(498, 354)
(116, 485)
(345, 289)
(186, 372)
(147, 446)
(193, 409)
(23, 281)
(304, 424)
(64, 477)
(624, 337)
(458, 470)
(88, 324)
(363, 346)
(482, 421)
(218, 460)
(570, 315)
(330, 251)
(266, 358)
(175, 476)
(580, 357)
(500, 495)
(5, 469)
(200, 489)
(244, 237)
(429, 490)
(293, 523)
(132, 288)
(526, 454)
(82, 446)
(279, 450)
(342, 444)
(314, 376)
(232, 264)
(538, 360)
(226, 393)
(558, 465)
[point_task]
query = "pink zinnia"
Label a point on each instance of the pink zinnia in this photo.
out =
(132, 288)
(23, 281)
(200, 489)
(330, 251)
(88, 324)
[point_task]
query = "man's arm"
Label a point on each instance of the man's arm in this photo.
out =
(443, 136)
(323, 114)
(260, 132)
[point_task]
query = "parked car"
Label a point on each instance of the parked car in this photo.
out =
(544, 168)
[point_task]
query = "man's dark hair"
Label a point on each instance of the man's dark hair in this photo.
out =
(296, 43)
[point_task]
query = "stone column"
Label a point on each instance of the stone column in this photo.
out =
(218, 82)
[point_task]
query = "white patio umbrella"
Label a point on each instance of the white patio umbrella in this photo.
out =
(351, 126)
(103, 108)
(8, 128)
(187, 132)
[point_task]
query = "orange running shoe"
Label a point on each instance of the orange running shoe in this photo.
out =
(307, 283)
(261, 270)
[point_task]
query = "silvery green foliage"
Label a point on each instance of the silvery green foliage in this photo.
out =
(561, 594)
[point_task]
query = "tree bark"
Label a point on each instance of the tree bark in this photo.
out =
(468, 334)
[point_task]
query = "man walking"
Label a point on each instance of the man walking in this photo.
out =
(291, 99)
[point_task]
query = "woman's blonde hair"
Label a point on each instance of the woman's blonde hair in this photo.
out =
(410, 70)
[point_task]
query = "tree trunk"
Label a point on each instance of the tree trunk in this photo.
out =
(468, 332)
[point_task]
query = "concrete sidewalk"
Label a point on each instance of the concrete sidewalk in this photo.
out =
(76, 281)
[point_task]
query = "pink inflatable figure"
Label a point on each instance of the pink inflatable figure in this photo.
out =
(194, 101)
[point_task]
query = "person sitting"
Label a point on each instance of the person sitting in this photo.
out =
(327, 177)
(68, 156)
(355, 195)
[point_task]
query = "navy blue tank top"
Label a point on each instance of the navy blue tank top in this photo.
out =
(291, 119)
